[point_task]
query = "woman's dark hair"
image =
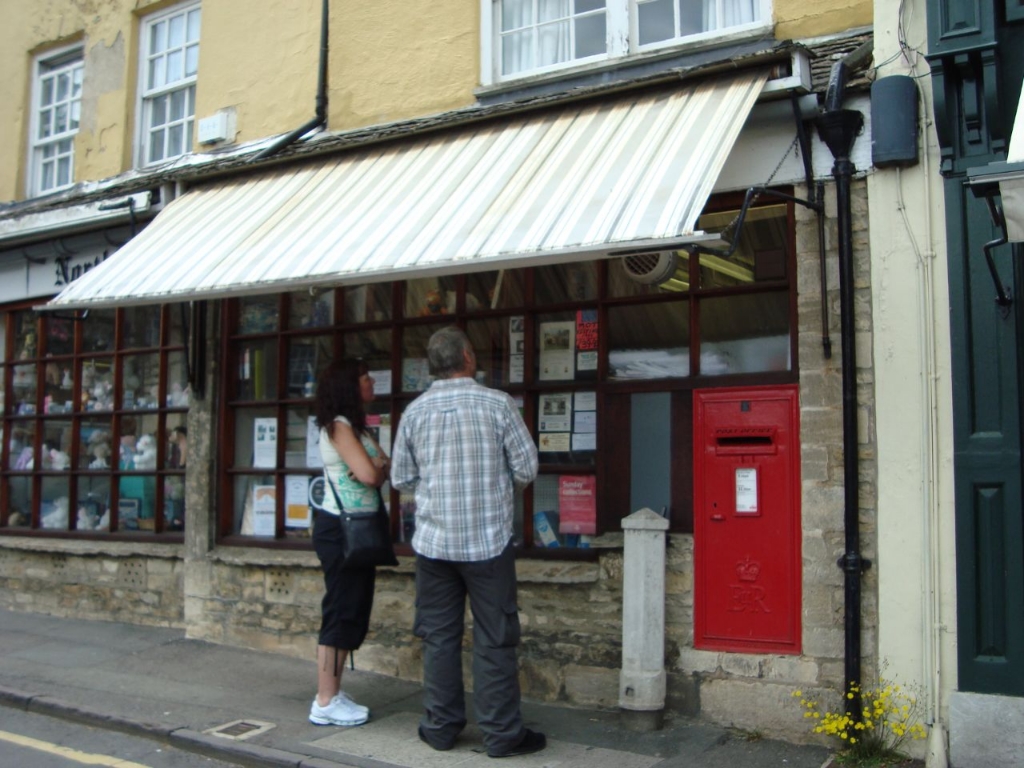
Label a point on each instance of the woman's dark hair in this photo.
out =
(337, 394)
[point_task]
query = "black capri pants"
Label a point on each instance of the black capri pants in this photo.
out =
(345, 611)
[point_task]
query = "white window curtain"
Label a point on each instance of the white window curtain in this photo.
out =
(535, 33)
(733, 12)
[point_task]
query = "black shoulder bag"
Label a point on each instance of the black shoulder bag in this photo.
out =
(365, 536)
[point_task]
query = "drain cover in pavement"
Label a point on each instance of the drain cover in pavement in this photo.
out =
(240, 729)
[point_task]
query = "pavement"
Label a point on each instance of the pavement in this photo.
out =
(250, 707)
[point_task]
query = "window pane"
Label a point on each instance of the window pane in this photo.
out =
(54, 504)
(566, 282)
(582, 6)
(191, 60)
(178, 389)
(176, 336)
(156, 146)
(655, 21)
(47, 92)
(63, 172)
(177, 441)
(46, 126)
(516, 14)
(59, 334)
(590, 36)
(97, 378)
(494, 290)
(555, 345)
(517, 52)
(430, 297)
(98, 331)
(760, 254)
(175, 140)
(255, 506)
(93, 506)
(142, 326)
(137, 492)
(295, 446)
(21, 502)
(25, 377)
(368, 303)
(547, 517)
(257, 314)
(310, 311)
(307, 357)
(175, 66)
(193, 26)
(176, 31)
(61, 119)
(95, 444)
(744, 334)
(47, 181)
(649, 341)
(22, 446)
(141, 382)
(492, 345)
(415, 369)
(374, 347)
(695, 16)
(177, 107)
(245, 441)
(548, 10)
(158, 112)
(155, 73)
(58, 397)
(257, 370)
(157, 37)
(553, 43)
(56, 455)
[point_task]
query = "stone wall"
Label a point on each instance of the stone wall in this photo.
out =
(137, 583)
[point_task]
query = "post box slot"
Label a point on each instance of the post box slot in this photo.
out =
(744, 444)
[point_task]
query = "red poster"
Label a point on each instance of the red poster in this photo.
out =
(577, 504)
(586, 329)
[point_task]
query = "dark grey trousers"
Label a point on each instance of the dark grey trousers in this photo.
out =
(441, 590)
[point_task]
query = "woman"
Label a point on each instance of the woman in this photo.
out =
(355, 467)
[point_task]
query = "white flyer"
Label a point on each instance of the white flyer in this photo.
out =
(746, 490)
(264, 442)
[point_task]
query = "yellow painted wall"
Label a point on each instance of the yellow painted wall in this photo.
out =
(389, 60)
(796, 19)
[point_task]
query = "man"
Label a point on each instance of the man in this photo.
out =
(464, 449)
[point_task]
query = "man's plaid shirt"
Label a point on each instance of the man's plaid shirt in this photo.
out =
(464, 450)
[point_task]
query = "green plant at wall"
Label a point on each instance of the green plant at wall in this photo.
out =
(889, 716)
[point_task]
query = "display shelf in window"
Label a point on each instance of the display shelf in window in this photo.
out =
(140, 382)
(430, 297)
(96, 391)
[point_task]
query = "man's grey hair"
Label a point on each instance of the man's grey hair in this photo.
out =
(445, 352)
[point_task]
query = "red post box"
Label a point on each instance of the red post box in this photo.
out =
(747, 519)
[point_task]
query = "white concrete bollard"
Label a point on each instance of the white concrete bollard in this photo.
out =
(642, 679)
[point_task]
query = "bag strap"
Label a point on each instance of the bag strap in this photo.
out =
(337, 498)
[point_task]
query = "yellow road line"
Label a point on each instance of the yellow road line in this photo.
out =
(71, 754)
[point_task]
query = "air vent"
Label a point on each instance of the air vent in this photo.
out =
(650, 268)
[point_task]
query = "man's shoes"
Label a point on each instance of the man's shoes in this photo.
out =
(339, 711)
(531, 742)
(432, 745)
(349, 700)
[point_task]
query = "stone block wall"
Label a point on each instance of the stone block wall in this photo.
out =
(110, 581)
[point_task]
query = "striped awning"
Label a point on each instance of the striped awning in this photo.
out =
(582, 182)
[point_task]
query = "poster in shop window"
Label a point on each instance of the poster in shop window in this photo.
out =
(577, 504)
(557, 351)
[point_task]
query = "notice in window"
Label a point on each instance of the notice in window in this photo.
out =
(577, 504)
(297, 512)
(313, 457)
(586, 340)
(555, 412)
(557, 350)
(264, 504)
(264, 444)
(746, 491)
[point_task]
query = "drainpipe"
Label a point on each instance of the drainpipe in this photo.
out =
(320, 118)
(838, 128)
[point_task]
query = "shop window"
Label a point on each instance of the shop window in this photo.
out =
(95, 422)
(601, 359)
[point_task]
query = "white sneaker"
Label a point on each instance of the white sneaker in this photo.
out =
(338, 711)
(348, 700)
